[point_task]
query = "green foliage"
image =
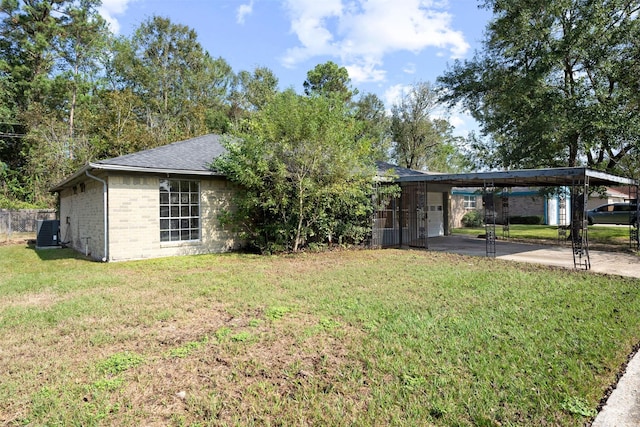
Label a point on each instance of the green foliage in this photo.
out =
(241, 336)
(119, 362)
(552, 86)
(329, 79)
(579, 406)
(422, 141)
(277, 312)
(374, 123)
(472, 219)
(304, 175)
(188, 348)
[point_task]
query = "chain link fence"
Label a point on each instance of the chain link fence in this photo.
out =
(22, 221)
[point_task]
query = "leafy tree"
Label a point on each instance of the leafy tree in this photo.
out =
(252, 91)
(421, 141)
(46, 68)
(552, 85)
(177, 80)
(329, 79)
(304, 176)
(374, 124)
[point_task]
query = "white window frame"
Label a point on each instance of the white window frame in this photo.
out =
(469, 202)
(179, 213)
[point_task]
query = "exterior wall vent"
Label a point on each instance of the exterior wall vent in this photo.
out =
(47, 233)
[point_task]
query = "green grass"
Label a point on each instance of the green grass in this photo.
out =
(605, 235)
(383, 337)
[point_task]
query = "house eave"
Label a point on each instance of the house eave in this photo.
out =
(121, 168)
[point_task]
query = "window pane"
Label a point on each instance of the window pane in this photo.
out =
(179, 210)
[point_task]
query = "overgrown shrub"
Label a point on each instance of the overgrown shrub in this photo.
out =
(472, 219)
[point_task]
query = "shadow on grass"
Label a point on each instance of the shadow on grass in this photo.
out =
(56, 253)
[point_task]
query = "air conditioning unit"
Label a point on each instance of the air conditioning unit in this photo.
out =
(47, 233)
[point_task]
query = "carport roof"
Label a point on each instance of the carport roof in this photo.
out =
(549, 177)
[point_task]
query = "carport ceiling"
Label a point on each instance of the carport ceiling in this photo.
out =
(552, 177)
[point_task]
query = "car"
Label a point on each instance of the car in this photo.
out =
(614, 213)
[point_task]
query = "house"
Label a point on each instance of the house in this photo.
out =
(527, 202)
(166, 201)
(159, 202)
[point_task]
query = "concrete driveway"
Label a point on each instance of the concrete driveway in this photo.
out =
(618, 263)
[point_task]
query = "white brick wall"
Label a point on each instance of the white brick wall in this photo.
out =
(134, 218)
(82, 218)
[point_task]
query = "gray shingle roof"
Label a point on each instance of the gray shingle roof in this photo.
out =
(195, 154)
(397, 171)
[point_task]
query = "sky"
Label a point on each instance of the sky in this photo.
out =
(385, 45)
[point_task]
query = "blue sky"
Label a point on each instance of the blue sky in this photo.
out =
(385, 45)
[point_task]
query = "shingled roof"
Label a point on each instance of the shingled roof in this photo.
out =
(189, 157)
(195, 154)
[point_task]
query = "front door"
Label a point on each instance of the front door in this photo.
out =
(435, 215)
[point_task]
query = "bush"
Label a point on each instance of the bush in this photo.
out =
(472, 219)
(528, 220)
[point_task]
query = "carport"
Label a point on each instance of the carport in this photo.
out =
(403, 221)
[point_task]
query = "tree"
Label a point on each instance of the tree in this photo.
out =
(252, 91)
(47, 63)
(374, 124)
(178, 81)
(552, 85)
(304, 176)
(421, 141)
(329, 79)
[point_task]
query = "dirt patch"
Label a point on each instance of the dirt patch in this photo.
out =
(252, 374)
(41, 300)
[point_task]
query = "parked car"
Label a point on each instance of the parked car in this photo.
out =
(613, 213)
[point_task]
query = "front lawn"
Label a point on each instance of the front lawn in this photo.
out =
(609, 237)
(384, 337)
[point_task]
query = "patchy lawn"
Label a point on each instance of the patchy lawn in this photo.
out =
(339, 338)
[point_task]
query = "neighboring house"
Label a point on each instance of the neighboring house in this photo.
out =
(527, 201)
(159, 202)
(522, 201)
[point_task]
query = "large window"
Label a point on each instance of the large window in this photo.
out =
(179, 210)
(469, 202)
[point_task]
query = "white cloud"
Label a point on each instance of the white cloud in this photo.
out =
(410, 68)
(110, 8)
(244, 10)
(362, 32)
(393, 94)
